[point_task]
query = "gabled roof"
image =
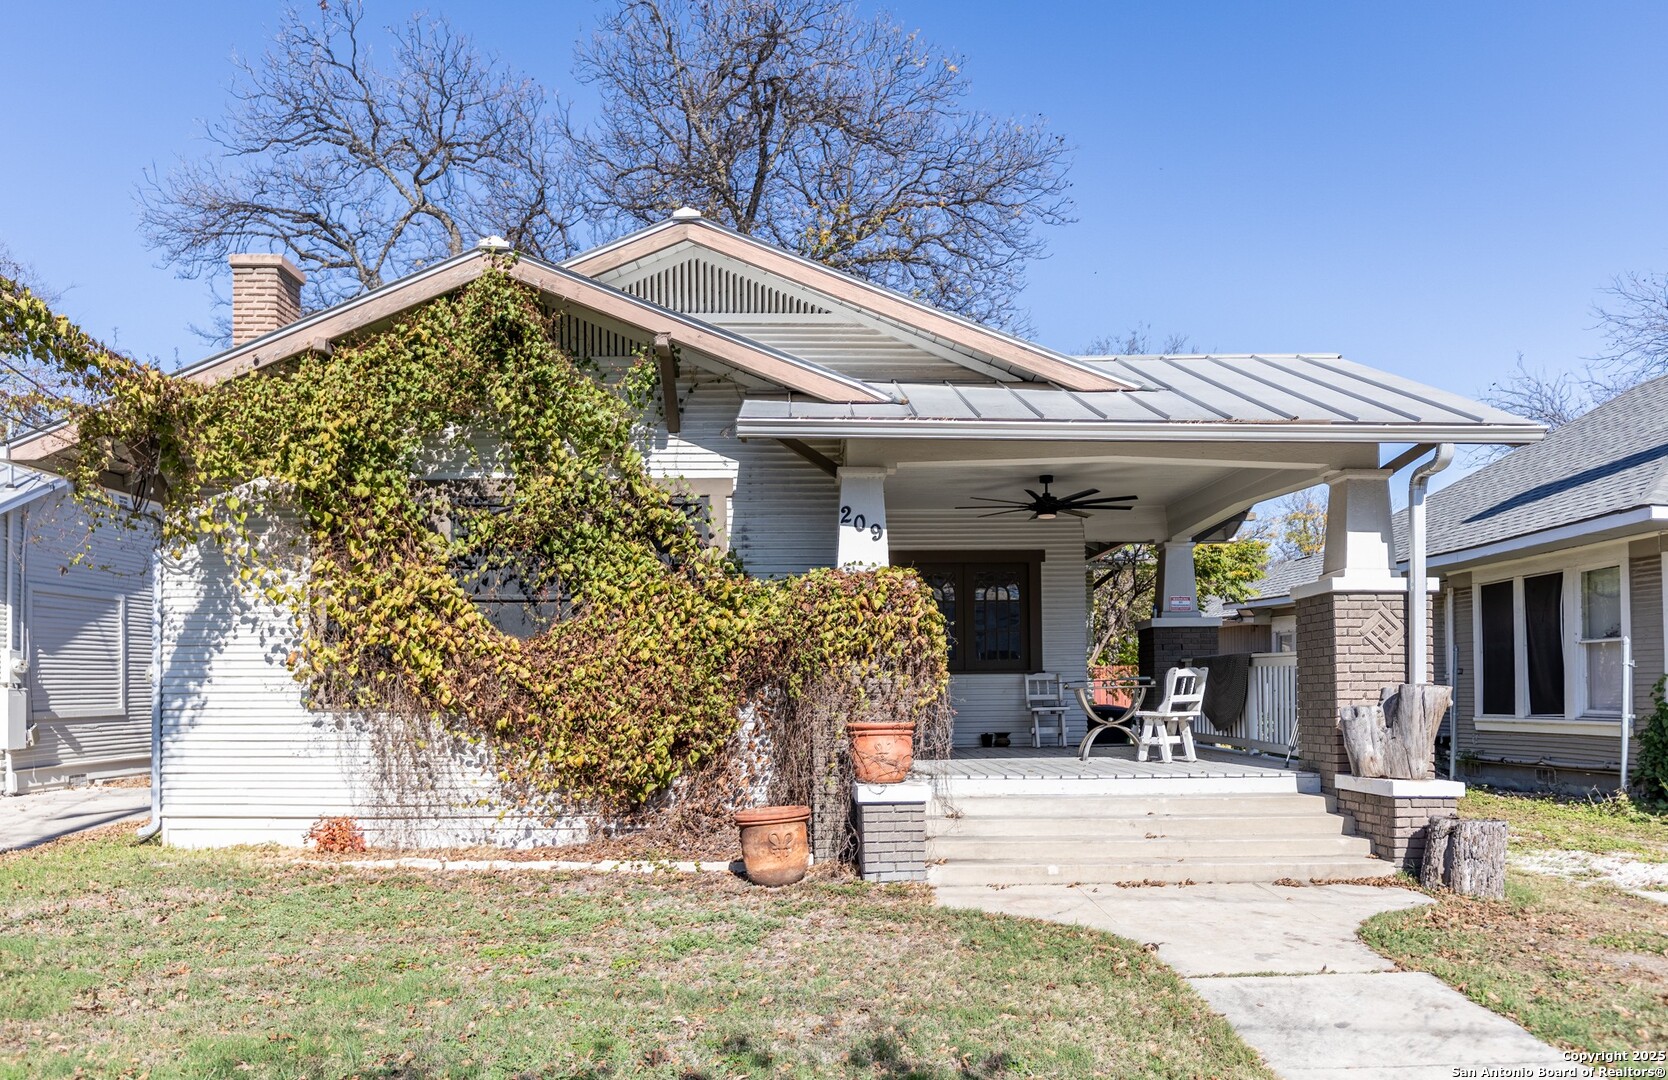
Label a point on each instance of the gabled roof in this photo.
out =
(777, 366)
(318, 330)
(1613, 459)
(1290, 398)
(697, 233)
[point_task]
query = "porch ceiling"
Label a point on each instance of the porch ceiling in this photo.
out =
(1175, 497)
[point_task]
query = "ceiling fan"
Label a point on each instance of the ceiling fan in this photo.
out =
(1047, 506)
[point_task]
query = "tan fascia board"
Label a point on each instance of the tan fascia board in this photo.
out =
(317, 332)
(326, 326)
(1022, 355)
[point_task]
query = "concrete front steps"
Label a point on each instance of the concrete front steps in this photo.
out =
(1091, 838)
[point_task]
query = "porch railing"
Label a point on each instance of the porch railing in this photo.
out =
(1270, 715)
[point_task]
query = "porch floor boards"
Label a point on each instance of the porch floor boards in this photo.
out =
(1106, 763)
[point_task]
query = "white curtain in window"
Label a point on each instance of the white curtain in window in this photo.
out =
(1601, 637)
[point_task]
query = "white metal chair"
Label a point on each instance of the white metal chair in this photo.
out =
(1171, 724)
(1046, 701)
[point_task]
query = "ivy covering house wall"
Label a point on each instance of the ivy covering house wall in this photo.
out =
(660, 641)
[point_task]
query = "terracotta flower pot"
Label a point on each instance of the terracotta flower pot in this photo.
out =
(881, 752)
(773, 843)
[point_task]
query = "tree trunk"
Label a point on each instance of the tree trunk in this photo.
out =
(1395, 738)
(1468, 857)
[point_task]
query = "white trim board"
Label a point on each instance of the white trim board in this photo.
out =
(1601, 727)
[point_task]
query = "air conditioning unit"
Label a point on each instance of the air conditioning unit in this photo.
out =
(17, 730)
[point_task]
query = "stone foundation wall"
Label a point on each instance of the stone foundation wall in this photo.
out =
(891, 824)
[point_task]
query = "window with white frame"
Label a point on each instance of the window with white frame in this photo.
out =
(1550, 644)
(1601, 638)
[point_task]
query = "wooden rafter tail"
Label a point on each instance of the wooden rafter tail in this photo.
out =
(820, 460)
(667, 361)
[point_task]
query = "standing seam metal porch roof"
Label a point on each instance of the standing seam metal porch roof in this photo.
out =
(1273, 391)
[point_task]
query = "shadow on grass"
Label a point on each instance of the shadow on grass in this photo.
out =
(883, 1054)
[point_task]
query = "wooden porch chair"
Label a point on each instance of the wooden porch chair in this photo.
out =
(1171, 724)
(1047, 702)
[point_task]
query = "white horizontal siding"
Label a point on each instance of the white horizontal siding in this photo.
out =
(245, 761)
(86, 630)
(996, 702)
(1600, 754)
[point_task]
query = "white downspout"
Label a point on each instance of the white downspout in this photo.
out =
(1417, 620)
(155, 825)
(1451, 650)
(1627, 703)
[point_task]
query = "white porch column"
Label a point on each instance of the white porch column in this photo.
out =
(1360, 551)
(1178, 589)
(863, 537)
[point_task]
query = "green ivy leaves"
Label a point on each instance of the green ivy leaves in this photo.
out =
(665, 641)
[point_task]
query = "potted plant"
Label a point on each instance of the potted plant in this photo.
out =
(774, 845)
(882, 749)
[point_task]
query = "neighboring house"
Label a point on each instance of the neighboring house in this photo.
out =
(1266, 622)
(78, 615)
(822, 421)
(1551, 561)
(1551, 566)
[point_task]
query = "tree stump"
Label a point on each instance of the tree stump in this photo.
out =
(1468, 857)
(1397, 737)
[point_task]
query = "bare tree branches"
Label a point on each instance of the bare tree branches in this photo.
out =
(1138, 341)
(1553, 398)
(844, 139)
(362, 172)
(1634, 321)
(1635, 325)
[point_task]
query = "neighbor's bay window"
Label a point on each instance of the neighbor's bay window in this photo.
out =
(1550, 645)
(991, 602)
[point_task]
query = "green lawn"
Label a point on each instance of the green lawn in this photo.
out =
(1583, 966)
(1602, 826)
(118, 960)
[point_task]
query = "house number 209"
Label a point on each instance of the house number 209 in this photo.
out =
(860, 523)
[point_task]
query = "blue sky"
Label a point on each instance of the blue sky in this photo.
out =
(1428, 188)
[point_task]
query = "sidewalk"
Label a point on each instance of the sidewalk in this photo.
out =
(1284, 966)
(27, 820)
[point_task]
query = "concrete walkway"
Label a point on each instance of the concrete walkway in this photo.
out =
(27, 820)
(1284, 966)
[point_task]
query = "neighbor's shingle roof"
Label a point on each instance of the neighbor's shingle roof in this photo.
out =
(1612, 459)
(1277, 581)
(1250, 389)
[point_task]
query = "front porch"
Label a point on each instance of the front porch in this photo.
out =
(1110, 770)
(1020, 816)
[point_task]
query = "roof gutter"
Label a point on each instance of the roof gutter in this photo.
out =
(1528, 543)
(1131, 431)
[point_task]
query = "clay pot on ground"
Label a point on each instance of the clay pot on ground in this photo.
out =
(774, 845)
(881, 752)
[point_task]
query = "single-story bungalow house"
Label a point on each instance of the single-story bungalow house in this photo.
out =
(78, 614)
(1550, 620)
(828, 421)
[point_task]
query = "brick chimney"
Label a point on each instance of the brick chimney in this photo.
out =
(266, 295)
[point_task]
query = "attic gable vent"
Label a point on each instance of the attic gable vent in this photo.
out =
(696, 286)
